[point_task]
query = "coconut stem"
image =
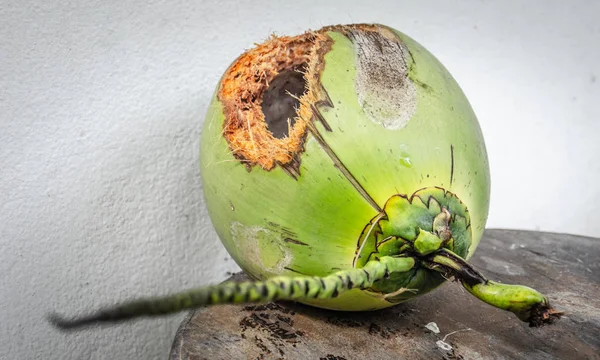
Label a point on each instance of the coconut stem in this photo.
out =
(276, 288)
(527, 304)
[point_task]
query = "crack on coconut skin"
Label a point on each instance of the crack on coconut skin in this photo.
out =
(268, 127)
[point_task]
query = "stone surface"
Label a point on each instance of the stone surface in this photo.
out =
(566, 268)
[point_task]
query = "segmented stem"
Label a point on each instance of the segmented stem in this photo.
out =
(276, 288)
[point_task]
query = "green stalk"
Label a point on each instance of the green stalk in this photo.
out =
(526, 303)
(276, 288)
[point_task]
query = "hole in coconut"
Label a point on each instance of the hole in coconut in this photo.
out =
(260, 94)
(280, 100)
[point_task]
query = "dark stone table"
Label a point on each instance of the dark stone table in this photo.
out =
(564, 267)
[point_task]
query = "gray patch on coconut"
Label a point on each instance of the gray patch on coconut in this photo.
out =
(386, 94)
(262, 247)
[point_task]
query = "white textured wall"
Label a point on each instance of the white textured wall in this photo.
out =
(101, 105)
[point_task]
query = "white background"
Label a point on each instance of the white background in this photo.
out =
(101, 106)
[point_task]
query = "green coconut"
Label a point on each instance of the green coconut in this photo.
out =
(342, 168)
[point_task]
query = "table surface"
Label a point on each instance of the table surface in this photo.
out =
(564, 267)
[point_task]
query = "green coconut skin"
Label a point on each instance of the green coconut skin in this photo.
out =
(273, 224)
